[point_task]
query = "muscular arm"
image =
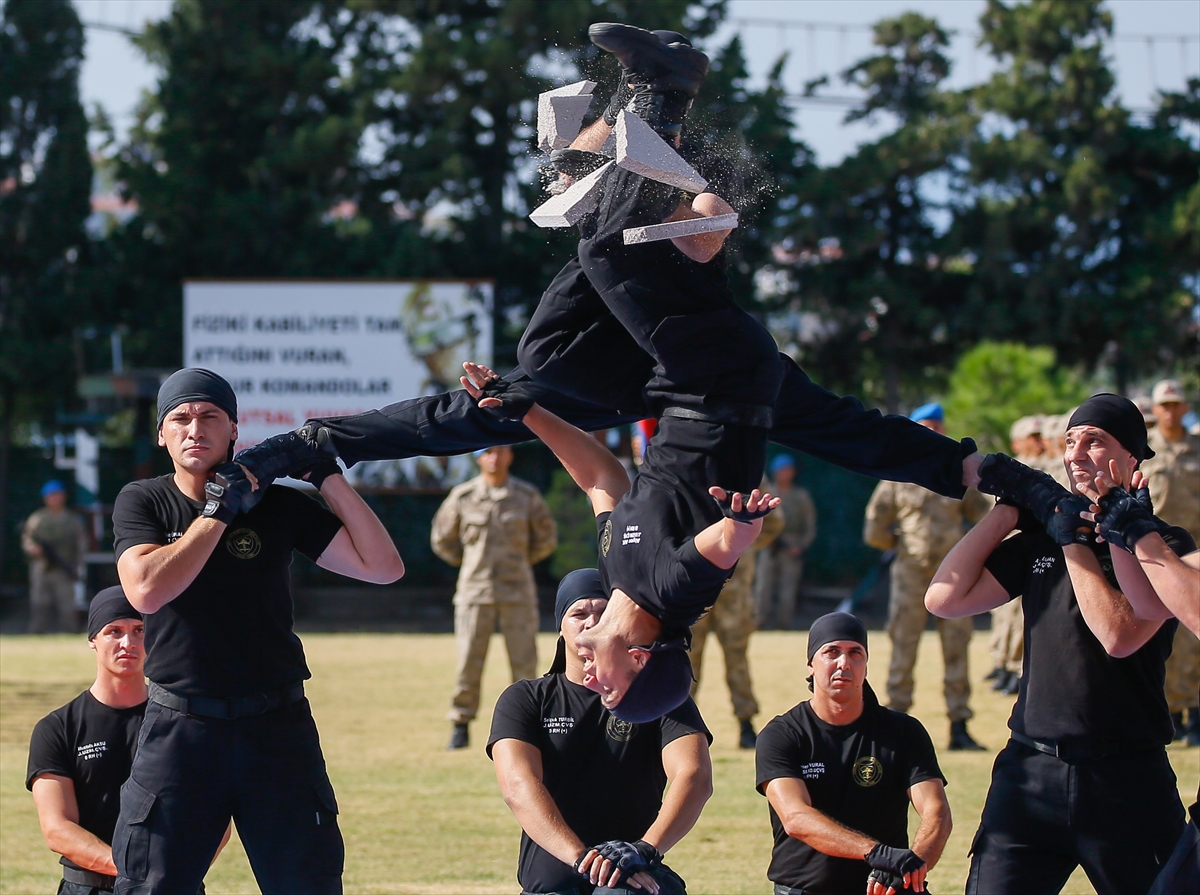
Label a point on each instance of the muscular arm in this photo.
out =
(689, 779)
(58, 815)
(519, 773)
(1104, 608)
(1176, 580)
(962, 586)
(362, 549)
(154, 575)
(590, 464)
(1136, 587)
(793, 804)
(929, 798)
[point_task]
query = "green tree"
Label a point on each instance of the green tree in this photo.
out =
(996, 383)
(867, 253)
(45, 180)
(1074, 201)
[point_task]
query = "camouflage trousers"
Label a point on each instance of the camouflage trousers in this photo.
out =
(1183, 671)
(906, 620)
(51, 600)
(473, 628)
(732, 620)
(1007, 643)
(776, 587)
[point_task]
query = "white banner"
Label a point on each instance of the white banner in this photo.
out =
(295, 350)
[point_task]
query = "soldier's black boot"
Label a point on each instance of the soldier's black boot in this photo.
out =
(660, 78)
(1012, 686)
(460, 738)
(1192, 731)
(748, 737)
(1180, 730)
(995, 673)
(961, 741)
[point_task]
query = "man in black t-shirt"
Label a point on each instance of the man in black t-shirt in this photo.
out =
(228, 732)
(1084, 779)
(552, 740)
(80, 754)
(839, 772)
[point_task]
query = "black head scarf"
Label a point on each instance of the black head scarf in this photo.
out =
(1117, 416)
(195, 384)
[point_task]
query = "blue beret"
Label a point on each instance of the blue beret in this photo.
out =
(782, 461)
(931, 411)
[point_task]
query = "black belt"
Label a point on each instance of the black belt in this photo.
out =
(1082, 748)
(89, 878)
(227, 709)
(781, 889)
(759, 416)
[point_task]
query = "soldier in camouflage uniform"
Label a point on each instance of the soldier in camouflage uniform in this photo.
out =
(54, 542)
(732, 619)
(1007, 644)
(1174, 479)
(781, 565)
(923, 527)
(495, 527)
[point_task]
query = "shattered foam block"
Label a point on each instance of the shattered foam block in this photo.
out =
(565, 209)
(642, 151)
(560, 114)
(673, 229)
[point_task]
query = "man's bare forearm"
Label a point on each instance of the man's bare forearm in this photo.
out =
(154, 578)
(1176, 580)
(1105, 610)
(932, 835)
(689, 774)
(538, 815)
(378, 560)
(954, 583)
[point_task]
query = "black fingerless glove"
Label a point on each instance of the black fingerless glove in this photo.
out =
(743, 515)
(1124, 518)
(887, 879)
(224, 490)
(630, 857)
(318, 472)
(1056, 508)
(894, 860)
(515, 397)
(1064, 523)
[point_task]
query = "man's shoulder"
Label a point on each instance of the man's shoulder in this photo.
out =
(157, 486)
(894, 722)
(65, 715)
(470, 486)
(522, 487)
(792, 723)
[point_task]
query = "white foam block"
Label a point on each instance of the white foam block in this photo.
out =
(673, 229)
(565, 209)
(642, 151)
(560, 114)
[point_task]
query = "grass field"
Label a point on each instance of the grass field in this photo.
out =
(419, 819)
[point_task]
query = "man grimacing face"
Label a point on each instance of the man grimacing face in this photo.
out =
(1089, 451)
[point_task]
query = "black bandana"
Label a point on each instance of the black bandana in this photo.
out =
(582, 584)
(195, 384)
(835, 626)
(108, 606)
(1117, 416)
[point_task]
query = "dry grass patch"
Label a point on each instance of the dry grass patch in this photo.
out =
(417, 818)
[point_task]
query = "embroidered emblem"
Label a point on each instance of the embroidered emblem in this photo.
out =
(868, 771)
(244, 543)
(621, 731)
(606, 537)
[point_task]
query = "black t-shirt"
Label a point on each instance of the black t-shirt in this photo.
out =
(582, 744)
(1071, 687)
(858, 774)
(93, 746)
(647, 543)
(230, 632)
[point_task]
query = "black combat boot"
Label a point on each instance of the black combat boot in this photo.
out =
(1012, 686)
(961, 741)
(1180, 730)
(748, 737)
(1192, 731)
(660, 78)
(460, 738)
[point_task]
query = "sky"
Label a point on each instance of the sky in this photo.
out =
(115, 74)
